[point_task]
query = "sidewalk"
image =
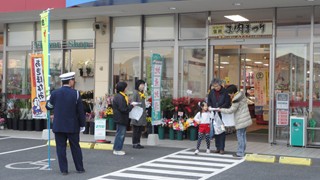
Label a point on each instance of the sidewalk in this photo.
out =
(231, 144)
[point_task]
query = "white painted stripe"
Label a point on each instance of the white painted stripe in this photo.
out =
(144, 176)
(205, 158)
(25, 149)
(192, 162)
(105, 175)
(180, 167)
(223, 169)
(211, 154)
(5, 138)
(184, 173)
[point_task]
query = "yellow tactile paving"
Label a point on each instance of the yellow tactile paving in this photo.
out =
(295, 161)
(260, 158)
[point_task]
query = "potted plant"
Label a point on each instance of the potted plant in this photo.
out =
(167, 107)
(80, 66)
(89, 66)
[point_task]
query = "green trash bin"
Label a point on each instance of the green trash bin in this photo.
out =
(297, 131)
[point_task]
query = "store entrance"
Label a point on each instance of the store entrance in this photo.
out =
(247, 66)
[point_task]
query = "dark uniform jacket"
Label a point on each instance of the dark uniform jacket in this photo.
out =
(121, 110)
(68, 110)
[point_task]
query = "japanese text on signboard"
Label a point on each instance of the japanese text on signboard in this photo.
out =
(240, 30)
(38, 73)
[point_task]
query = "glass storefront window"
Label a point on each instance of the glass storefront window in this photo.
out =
(316, 29)
(126, 67)
(55, 69)
(18, 73)
(159, 27)
(56, 31)
(192, 26)
(126, 29)
(294, 23)
(167, 75)
(192, 71)
(20, 34)
(80, 29)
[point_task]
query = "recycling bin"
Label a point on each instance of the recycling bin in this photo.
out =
(298, 131)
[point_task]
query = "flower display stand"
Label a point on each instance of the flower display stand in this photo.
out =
(38, 124)
(9, 123)
(179, 135)
(91, 131)
(22, 125)
(161, 132)
(192, 133)
(15, 124)
(30, 124)
(171, 134)
(111, 124)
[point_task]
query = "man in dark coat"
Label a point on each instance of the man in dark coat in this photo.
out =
(121, 108)
(219, 98)
(68, 121)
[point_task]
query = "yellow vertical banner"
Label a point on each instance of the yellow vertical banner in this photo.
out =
(38, 96)
(45, 34)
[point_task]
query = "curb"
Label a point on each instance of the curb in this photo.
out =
(87, 145)
(260, 158)
(282, 159)
(295, 161)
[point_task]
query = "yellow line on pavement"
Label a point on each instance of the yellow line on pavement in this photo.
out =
(88, 145)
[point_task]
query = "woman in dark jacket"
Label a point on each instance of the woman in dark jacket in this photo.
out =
(121, 109)
(139, 124)
(219, 98)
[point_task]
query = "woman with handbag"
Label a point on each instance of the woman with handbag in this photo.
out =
(242, 117)
(218, 98)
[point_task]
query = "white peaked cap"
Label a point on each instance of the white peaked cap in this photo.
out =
(67, 76)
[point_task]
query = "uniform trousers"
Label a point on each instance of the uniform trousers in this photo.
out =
(61, 146)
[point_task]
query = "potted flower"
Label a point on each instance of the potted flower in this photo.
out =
(179, 126)
(2, 123)
(89, 66)
(192, 125)
(167, 107)
(80, 66)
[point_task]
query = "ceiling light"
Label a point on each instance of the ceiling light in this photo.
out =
(248, 67)
(172, 8)
(310, 0)
(248, 60)
(266, 64)
(236, 4)
(224, 62)
(221, 67)
(236, 18)
(258, 62)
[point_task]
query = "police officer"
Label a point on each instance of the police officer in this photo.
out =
(68, 121)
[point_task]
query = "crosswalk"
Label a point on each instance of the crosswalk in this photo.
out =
(182, 165)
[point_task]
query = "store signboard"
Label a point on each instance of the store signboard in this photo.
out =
(100, 129)
(240, 30)
(282, 109)
(67, 44)
(156, 69)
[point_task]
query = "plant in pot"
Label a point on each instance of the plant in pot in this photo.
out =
(167, 107)
(13, 113)
(80, 66)
(89, 67)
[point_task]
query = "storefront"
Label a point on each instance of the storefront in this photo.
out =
(285, 59)
(281, 60)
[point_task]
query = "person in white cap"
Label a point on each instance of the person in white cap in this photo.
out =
(68, 122)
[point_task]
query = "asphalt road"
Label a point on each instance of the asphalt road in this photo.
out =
(19, 163)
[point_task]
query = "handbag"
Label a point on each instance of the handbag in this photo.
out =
(218, 125)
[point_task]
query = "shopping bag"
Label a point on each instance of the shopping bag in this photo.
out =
(228, 119)
(136, 113)
(218, 125)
